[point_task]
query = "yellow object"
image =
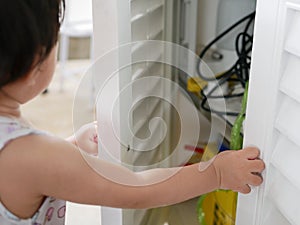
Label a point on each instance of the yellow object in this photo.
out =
(210, 151)
(219, 208)
(195, 84)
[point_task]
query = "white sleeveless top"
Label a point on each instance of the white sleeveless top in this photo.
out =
(52, 211)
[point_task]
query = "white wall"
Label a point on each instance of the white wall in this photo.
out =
(78, 10)
(207, 20)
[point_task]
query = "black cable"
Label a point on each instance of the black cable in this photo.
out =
(239, 72)
(208, 46)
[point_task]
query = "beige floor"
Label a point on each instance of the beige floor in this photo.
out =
(53, 112)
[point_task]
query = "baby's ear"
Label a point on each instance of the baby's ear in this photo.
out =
(31, 77)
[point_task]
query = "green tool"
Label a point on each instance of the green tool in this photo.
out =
(236, 143)
(236, 139)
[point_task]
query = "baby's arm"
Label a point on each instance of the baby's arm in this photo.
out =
(61, 171)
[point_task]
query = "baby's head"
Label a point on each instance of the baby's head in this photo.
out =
(28, 34)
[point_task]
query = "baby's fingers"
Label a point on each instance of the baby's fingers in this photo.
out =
(244, 189)
(251, 152)
(254, 180)
(256, 166)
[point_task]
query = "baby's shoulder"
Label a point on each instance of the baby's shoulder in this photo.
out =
(29, 150)
(28, 158)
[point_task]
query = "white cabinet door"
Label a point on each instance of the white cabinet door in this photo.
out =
(273, 115)
(123, 113)
(106, 33)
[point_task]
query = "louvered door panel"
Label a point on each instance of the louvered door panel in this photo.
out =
(290, 82)
(133, 21)
(147, 23)
(275, 202)
(282, 195)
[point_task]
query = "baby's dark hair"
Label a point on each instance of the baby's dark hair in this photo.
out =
(28, 32)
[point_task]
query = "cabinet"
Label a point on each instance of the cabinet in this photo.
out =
(129, 107)
(273, 110)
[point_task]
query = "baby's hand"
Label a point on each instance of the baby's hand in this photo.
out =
(236, 170)
(86, 138)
